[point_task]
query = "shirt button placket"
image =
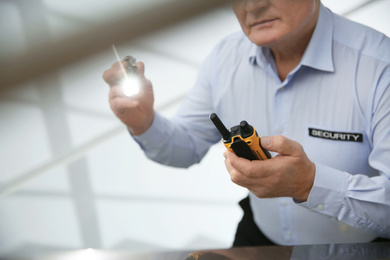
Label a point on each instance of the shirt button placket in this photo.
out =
(286, 222)
(282, 110)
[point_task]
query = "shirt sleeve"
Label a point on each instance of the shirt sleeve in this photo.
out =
(359, 200)
(183, 140)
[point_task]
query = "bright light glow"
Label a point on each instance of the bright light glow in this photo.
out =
(84, 254)
(91, 254)
(130, 85)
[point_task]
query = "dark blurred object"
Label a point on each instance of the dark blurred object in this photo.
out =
(206, 256)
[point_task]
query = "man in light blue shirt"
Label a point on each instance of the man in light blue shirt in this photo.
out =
(317, 88)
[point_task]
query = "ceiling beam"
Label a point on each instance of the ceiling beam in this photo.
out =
(50, 56)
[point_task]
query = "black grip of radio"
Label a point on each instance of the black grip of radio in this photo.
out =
(241, 149)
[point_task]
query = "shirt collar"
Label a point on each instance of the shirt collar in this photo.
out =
(318, 53)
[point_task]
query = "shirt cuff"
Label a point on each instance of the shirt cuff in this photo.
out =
(151, 139)
(328, 192)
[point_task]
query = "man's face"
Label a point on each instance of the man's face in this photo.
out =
(270, 22)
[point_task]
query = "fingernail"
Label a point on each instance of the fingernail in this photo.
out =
(266, 141)
(225, 154)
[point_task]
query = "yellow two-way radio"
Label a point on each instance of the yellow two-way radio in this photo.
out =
(242, 139)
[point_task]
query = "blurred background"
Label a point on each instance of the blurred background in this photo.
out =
(71, 177)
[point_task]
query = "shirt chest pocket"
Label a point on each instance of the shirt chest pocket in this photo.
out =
(346, 150)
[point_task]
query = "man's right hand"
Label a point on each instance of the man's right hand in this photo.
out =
(136, 112)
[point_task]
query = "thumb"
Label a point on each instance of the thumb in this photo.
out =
(281, 145)
(145, 83)
(141, 69)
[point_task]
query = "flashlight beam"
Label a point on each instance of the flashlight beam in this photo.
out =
(120, 63)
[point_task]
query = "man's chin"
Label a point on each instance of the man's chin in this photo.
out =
(263, 41)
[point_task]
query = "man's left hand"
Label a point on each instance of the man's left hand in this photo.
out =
(289, 174)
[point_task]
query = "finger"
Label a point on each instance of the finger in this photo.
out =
(146, 85)
(227, 162)
(248, 168)
(236, 176)
(109, 78)
(121, 104)
(114, 74)
(281, 145)
(140, 69)
(117, 91)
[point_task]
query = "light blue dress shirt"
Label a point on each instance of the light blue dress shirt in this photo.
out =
(335, 103)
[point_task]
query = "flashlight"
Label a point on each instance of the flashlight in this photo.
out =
(130, 83)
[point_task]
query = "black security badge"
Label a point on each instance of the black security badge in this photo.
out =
(339, 136)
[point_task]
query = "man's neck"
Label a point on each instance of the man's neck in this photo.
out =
(288, 57)
(288, 54)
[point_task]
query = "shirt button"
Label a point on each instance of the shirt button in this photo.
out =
(320, 207)
(280, 130)
(282, 89)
